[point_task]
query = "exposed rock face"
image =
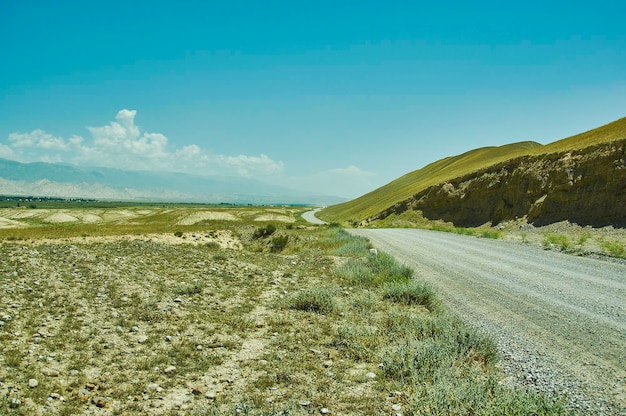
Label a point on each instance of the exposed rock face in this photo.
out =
(586, 186)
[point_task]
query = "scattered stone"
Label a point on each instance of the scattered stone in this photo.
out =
(142, 338)
(74, 372)
(15, 403)
(396, 407)
(199, 348)
(83, 394)
(32, 383)
(370, 375)
(198, 390)
(168, 338)
(263, 362)
(153, 388)
(178, 300)
(170, 369)
(99, 401)
(324, 410)
(50, 372)
(211, 395)
(90, 386)
(55, 396)
(134, 329)
(305, 403)
(318, 352)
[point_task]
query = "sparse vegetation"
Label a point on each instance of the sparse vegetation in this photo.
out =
(557, 240)
(613, 248)
(154, 323)
(264, 232)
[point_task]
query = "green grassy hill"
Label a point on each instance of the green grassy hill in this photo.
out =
(456, 166)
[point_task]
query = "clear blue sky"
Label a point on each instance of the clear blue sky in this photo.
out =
(337, 97)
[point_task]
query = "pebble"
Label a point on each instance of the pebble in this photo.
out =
(50, 372)
(370, 375)
(324, 410)
(134, 329)
(396, 407)
(32, 383)
(99, 401)
(168, 338)
(199, 348)
(153, 387)
(141, 339)
(170, 369)
(15, 403)
(178, 300)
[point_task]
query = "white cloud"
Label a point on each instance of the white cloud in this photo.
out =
(39, 139)
(121, 144)
(6, 152)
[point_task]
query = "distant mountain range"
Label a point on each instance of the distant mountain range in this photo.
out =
(68, 181)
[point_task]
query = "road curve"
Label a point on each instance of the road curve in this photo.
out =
(310, 217)
(560, 320)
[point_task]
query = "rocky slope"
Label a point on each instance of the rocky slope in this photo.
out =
(585, 186)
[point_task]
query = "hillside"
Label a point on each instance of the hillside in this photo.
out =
(450, 176)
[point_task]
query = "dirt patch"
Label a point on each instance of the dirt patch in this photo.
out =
(275, 217)
(197, 217)
(60, 217)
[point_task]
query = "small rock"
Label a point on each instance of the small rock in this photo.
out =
(199, 348)
(318, 352)
(263, 362)
(99, 401)
(305, 403)
(50, 372)
(396, 407)
(55, 396)
(370, 375)
(15, 403)
(178, 300)
(211, 395)
(198, 390)
(90, 386)
(328, 363)
(153, 387)
(74, 372)
(32, 383)
(168, 338)
(141, 339)
(324, 411)
(134, 329)
(170, 369)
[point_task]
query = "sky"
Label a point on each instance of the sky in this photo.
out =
(332, 97)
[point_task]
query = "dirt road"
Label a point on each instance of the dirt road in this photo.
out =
(560, 320)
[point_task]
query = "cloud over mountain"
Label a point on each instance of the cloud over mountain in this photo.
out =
(121, 144)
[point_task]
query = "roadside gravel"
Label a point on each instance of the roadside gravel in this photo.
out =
(560, 320)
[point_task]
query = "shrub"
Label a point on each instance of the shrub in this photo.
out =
(614, 249)
(264, 232)
(279, 243)
(318, 300)
(556, 240)
(213, 245)
(412, 293)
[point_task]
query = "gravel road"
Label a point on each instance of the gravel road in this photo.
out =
(560, 320)
(310, 217)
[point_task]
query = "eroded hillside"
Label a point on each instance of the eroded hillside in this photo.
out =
(585, 186)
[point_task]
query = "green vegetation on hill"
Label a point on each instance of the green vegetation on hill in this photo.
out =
(453, 167)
